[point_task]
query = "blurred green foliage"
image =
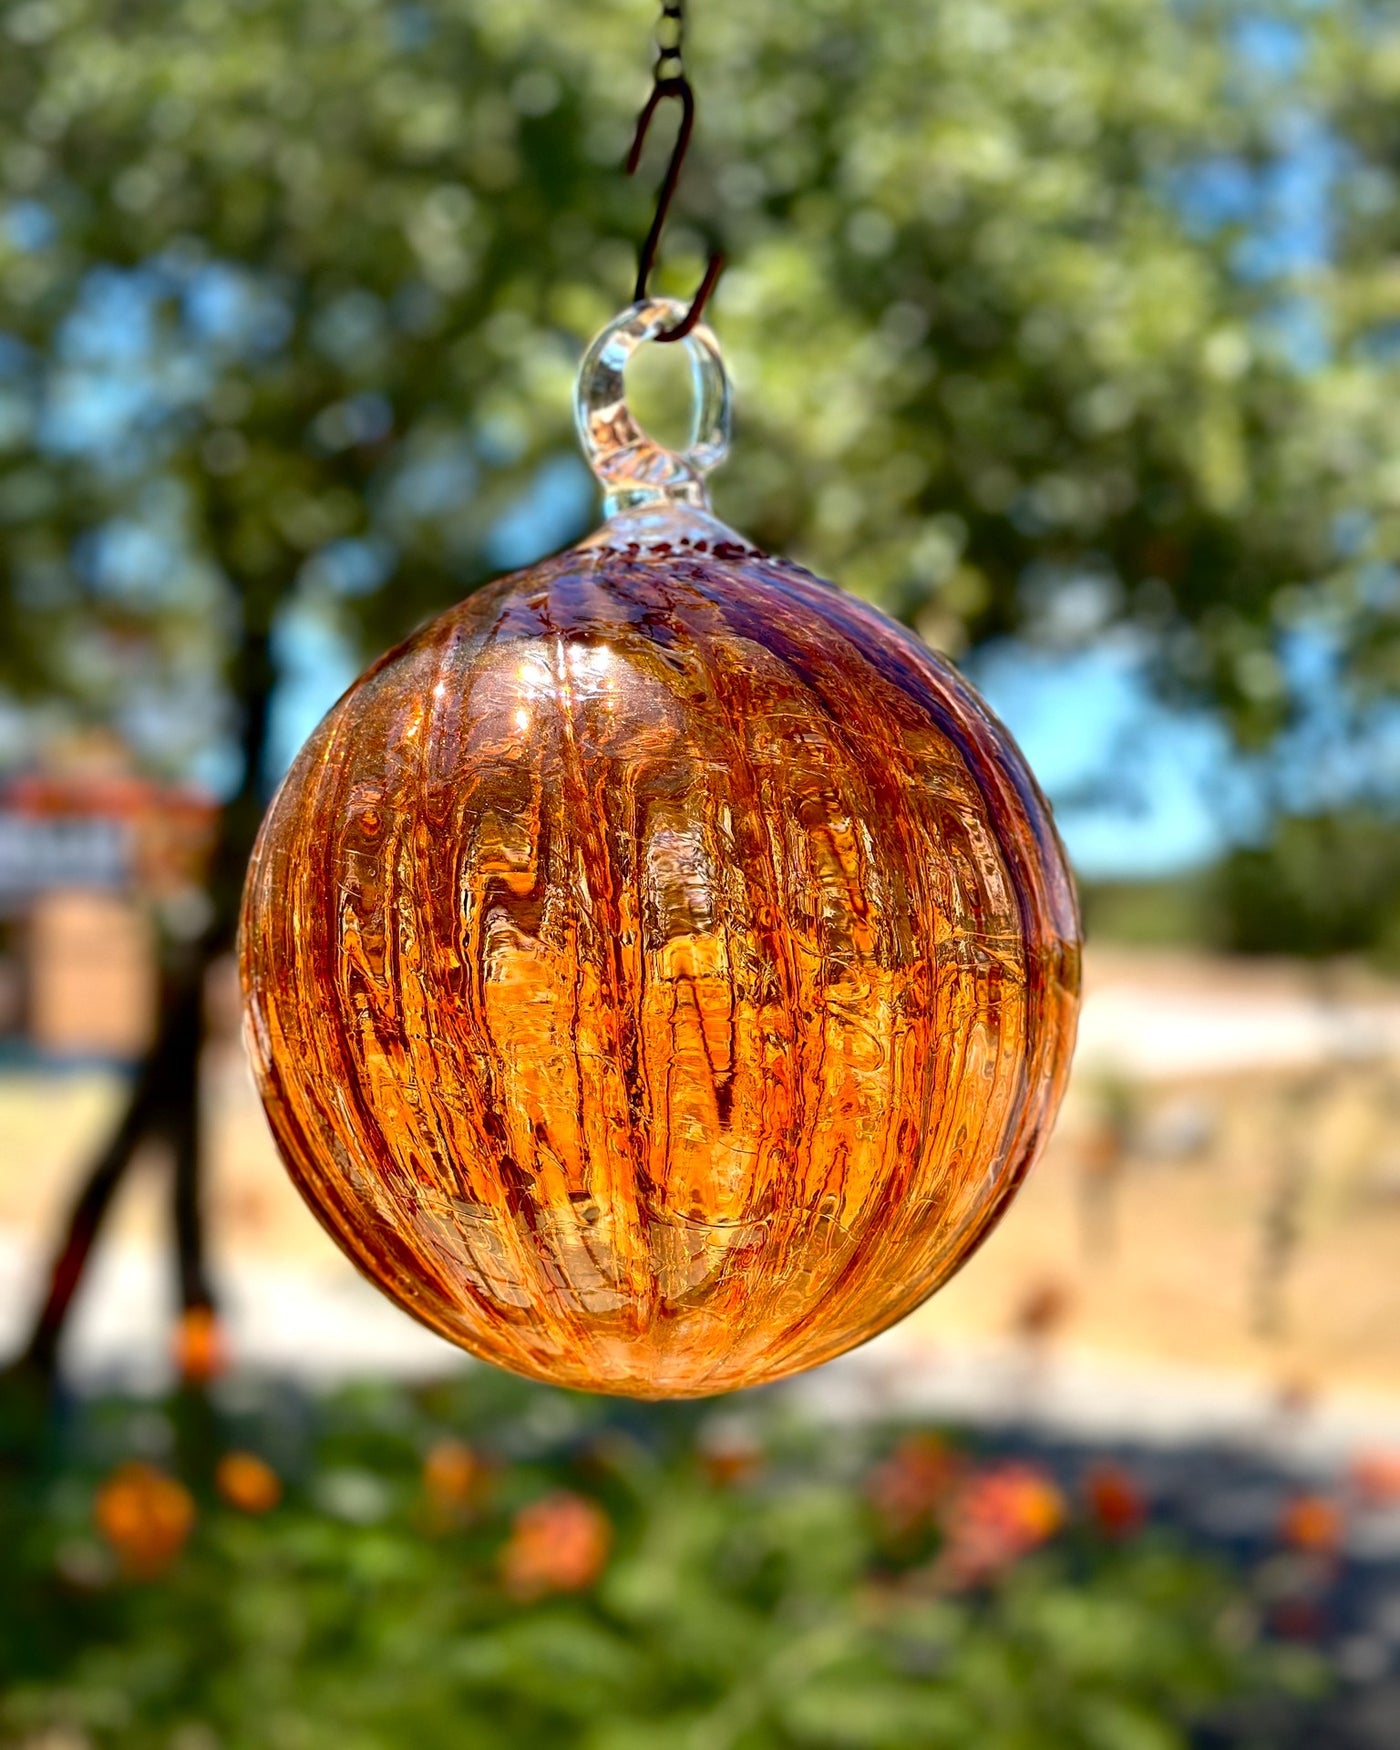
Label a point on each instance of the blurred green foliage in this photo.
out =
(1320, 886)
(294, 289)
(1172, 911)
(755, 1607)
(1324, 885)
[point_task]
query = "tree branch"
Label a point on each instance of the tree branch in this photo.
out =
(164, 1103)
(163, 1083)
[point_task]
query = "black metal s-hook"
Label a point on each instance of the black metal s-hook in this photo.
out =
(670, 81)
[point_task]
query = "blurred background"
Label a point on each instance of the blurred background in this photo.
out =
(1068, 333)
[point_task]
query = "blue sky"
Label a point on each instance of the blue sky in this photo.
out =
(1137, 787)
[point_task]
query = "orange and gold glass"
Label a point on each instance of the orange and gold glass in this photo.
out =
(661, 969)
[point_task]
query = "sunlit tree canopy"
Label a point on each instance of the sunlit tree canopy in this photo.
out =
(1042, 316)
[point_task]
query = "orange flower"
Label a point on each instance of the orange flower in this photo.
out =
(729, 1456)
(1298, 1619)
(1042, 1309)
(559, 1544)
(199, 1345)
(1375, 1476)
(996, 1517)
(146, 1516)
(1296, 1394)
(1102, 1147)
(1116, 1503)
(727, 1467)
(452, 1480)
(910, 1486)
(1311, 1523)
(245, 1481)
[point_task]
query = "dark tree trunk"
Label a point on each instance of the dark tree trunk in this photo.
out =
(164, 1104)
(163, 1093)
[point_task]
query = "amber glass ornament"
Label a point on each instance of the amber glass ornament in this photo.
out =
(661, 969)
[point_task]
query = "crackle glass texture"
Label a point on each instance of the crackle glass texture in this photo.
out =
(661, 969)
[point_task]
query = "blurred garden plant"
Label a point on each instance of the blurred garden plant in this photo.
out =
(598, 1584)
(1032, 328)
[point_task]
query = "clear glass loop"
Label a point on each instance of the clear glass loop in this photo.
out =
(636, 470)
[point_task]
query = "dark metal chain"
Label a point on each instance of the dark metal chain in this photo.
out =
(669, 80)
(670, 41)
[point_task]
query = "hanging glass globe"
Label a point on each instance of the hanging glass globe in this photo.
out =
(661, 969)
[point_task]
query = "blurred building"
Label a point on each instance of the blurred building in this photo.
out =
(89, 850)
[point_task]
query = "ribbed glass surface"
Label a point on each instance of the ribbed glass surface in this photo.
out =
(661, 969)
